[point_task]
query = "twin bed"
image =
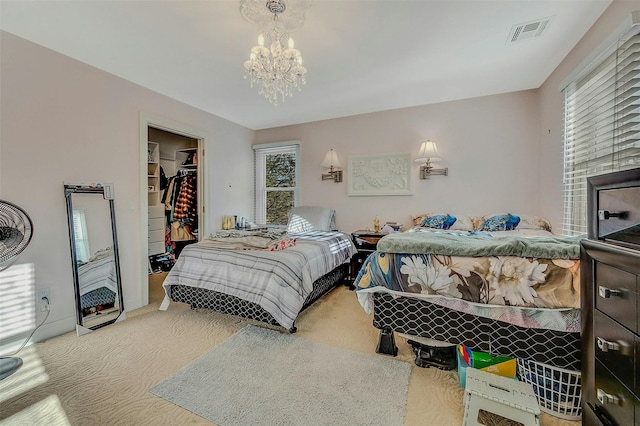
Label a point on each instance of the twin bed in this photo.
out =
(269, 276)
(502, 284)
(486, 283)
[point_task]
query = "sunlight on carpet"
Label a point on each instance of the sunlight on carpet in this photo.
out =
(104, 377)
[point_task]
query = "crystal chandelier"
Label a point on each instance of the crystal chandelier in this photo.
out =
(276, 70)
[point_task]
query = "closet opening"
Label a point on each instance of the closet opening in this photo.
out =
(172, 214)
(173, 196)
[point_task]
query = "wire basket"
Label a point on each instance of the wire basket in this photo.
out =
(559, 391)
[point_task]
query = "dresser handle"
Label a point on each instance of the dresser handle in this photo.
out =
(607, 398)
(606, 292)
(606, 214)
(623, 347)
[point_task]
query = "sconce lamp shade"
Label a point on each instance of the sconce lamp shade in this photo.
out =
(330, 160)
(428, 151)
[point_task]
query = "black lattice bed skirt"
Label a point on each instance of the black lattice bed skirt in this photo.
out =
(421, 318)
(102, 298)
(221, 302)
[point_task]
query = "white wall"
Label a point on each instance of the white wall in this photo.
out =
(551, 106)
(489, 144)
(63, 120)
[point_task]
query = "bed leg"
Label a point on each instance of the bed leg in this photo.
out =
(387, 343)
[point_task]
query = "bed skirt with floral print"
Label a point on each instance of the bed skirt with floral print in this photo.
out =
(517, 290)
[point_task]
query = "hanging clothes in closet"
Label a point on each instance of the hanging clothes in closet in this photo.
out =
(181, 206)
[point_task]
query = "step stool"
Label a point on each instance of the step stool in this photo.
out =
(499, 395)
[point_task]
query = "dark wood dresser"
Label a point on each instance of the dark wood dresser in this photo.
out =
(610, 334)
(610, 316)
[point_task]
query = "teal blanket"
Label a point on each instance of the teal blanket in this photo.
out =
(449, 243)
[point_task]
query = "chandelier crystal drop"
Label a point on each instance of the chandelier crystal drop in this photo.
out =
(276, 70)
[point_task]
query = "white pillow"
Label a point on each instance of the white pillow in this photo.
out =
(311, 218)
(533, 222)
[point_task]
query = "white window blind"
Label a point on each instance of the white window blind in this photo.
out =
(601, 124)
(276, 181)
(81, 236)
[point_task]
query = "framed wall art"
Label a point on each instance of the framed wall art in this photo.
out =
(383, 174)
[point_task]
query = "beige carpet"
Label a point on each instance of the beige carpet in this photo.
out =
(103, 378)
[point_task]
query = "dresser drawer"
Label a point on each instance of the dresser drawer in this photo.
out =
(613, 398)
(156, 224)
(614, 348)
(357, 260)
(156, 211)
(156, 236)
(366, 243)
(616, 294)
(156, 248)
(590, 417)
(366, 240)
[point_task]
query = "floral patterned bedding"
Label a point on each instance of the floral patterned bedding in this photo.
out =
(499, 280)
(522, 287)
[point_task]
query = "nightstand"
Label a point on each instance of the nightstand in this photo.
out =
(366, 243)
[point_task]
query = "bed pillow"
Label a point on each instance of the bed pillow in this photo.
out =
(497, 222)
(533, 222)
(444, 221)
(311, 218)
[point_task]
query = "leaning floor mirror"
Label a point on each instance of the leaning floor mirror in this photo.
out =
(94, 256)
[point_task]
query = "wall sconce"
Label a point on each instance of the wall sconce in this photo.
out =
(331, 162)
(428, 152)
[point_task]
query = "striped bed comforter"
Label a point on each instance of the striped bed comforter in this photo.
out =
(279, 281)
(99, 272)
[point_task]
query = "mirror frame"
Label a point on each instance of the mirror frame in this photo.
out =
(69, 190)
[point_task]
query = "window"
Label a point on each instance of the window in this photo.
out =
(276, 181)
(81, 236)
(601, 124)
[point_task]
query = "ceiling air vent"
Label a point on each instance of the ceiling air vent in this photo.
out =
(528, 30)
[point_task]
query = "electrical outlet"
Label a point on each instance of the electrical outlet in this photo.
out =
(42, 293)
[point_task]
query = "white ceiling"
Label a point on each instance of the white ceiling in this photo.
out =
(362, 56)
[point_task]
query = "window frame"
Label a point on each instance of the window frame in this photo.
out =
(261, 151)
(83, 252)
(599, 121)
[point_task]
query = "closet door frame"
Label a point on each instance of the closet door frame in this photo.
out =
(163, 123)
